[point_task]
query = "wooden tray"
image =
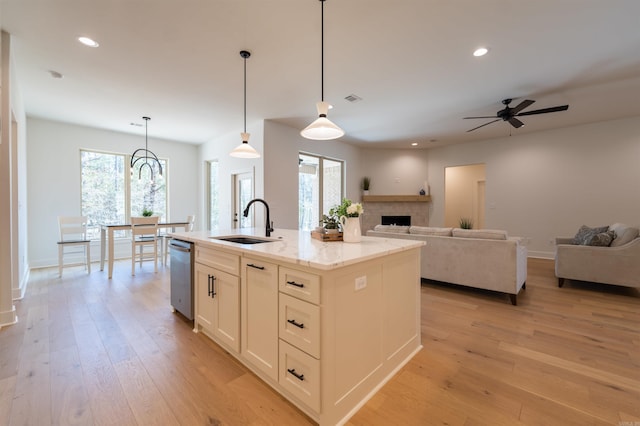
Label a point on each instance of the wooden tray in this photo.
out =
(326, 237)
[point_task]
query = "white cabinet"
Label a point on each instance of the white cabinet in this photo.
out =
(218, 298)
(260, 315)
(299, 333)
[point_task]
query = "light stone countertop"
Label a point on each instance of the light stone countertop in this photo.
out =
(298, 247)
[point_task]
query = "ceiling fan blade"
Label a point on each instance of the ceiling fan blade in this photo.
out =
(522, 105)
(516, 123)
(485, 124)
(490, 116)
(545, 110)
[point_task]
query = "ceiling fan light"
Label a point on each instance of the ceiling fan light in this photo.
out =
(322, 129)
(244, 150)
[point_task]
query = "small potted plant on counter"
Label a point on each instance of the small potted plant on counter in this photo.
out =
(330, 223)
(466, 223)
(146, 212)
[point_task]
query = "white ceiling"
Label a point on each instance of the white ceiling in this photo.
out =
(410, 61)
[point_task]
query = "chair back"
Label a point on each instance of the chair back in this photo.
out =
(191, 219)
(144, 227)
(72, 228)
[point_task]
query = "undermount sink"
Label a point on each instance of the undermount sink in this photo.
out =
(243, 239)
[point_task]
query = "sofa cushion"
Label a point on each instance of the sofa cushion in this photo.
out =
(430, 230)
(485, 234)
(392, 228)
(585, 233)
(624, 234)
(602, 239)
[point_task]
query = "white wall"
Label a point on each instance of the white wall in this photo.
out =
(282, 145)
(395, 171)
(547, 184)
(219, 149)
(54, 186)
(276, 172)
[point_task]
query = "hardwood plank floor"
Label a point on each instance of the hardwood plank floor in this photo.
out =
(92, 351)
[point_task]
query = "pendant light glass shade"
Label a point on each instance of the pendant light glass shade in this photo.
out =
(322, 129)
(244, 150)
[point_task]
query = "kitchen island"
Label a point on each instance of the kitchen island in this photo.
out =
(326, 324)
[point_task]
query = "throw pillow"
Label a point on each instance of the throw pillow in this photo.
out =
(484, 234)
(429, 230)
(392, 228)
(602, 239)
(624, 234)
(584, 234)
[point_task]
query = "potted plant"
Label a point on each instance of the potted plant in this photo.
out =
(330, 222)
(466, 223)
(366, 182)
(349, 215)
(146, 212)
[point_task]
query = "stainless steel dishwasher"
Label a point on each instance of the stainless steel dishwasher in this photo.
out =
(182, 276)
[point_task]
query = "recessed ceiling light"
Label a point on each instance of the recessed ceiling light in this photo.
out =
(481, 51)
(88, 42)
(414, 144)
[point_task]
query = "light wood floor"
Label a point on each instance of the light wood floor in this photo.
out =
(88, 350)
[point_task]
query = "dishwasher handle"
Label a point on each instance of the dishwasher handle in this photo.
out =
(180, 248)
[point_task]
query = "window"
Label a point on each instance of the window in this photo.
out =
(320, 187)
(111, 194)
(214, 207)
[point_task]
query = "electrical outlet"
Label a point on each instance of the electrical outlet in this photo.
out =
(361, 282)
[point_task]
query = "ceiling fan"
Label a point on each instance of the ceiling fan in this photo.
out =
(509, 114)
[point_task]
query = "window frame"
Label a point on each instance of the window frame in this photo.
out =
(94, 235)
(321, 203)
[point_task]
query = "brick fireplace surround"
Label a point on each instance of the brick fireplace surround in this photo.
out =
(376, 206)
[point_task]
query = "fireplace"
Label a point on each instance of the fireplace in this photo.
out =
(396, 220)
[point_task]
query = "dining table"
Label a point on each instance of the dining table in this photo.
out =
(106, 237)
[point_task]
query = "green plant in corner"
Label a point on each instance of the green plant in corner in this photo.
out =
(466, 223)
(146, 212)
(366, 182)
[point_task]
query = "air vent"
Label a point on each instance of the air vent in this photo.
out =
(353, 98)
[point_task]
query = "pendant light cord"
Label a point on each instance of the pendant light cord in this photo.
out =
(322, 52)
(245, 94)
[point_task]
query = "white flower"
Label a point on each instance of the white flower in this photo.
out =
(354, 210)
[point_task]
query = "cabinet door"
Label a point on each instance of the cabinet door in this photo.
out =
(260, 315)
(226, 318)
(204, 302)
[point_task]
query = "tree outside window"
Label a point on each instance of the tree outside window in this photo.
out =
(111, 194)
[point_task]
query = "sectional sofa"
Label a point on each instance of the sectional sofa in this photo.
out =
(483, 258)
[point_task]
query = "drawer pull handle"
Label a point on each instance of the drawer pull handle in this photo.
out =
(211, 286)
(255, 266)
(297, 324)
(297, 376)
(295, 284)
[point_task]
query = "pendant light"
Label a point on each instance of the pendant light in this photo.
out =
(143, 155)
(244, 150)
(322, 128)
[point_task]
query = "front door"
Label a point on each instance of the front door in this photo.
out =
(242, 194)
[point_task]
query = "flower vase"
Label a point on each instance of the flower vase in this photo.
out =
(351, 229)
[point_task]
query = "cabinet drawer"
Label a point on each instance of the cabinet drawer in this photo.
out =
(302, 285)
(300, 324)
(222, 260)
(300, 375)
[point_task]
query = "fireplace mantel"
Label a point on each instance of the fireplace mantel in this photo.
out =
(396, 198)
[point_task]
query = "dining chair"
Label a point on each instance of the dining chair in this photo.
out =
(191, 219)
(73, 233)
(144, 232)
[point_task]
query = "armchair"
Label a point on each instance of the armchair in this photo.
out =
(617, 265)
